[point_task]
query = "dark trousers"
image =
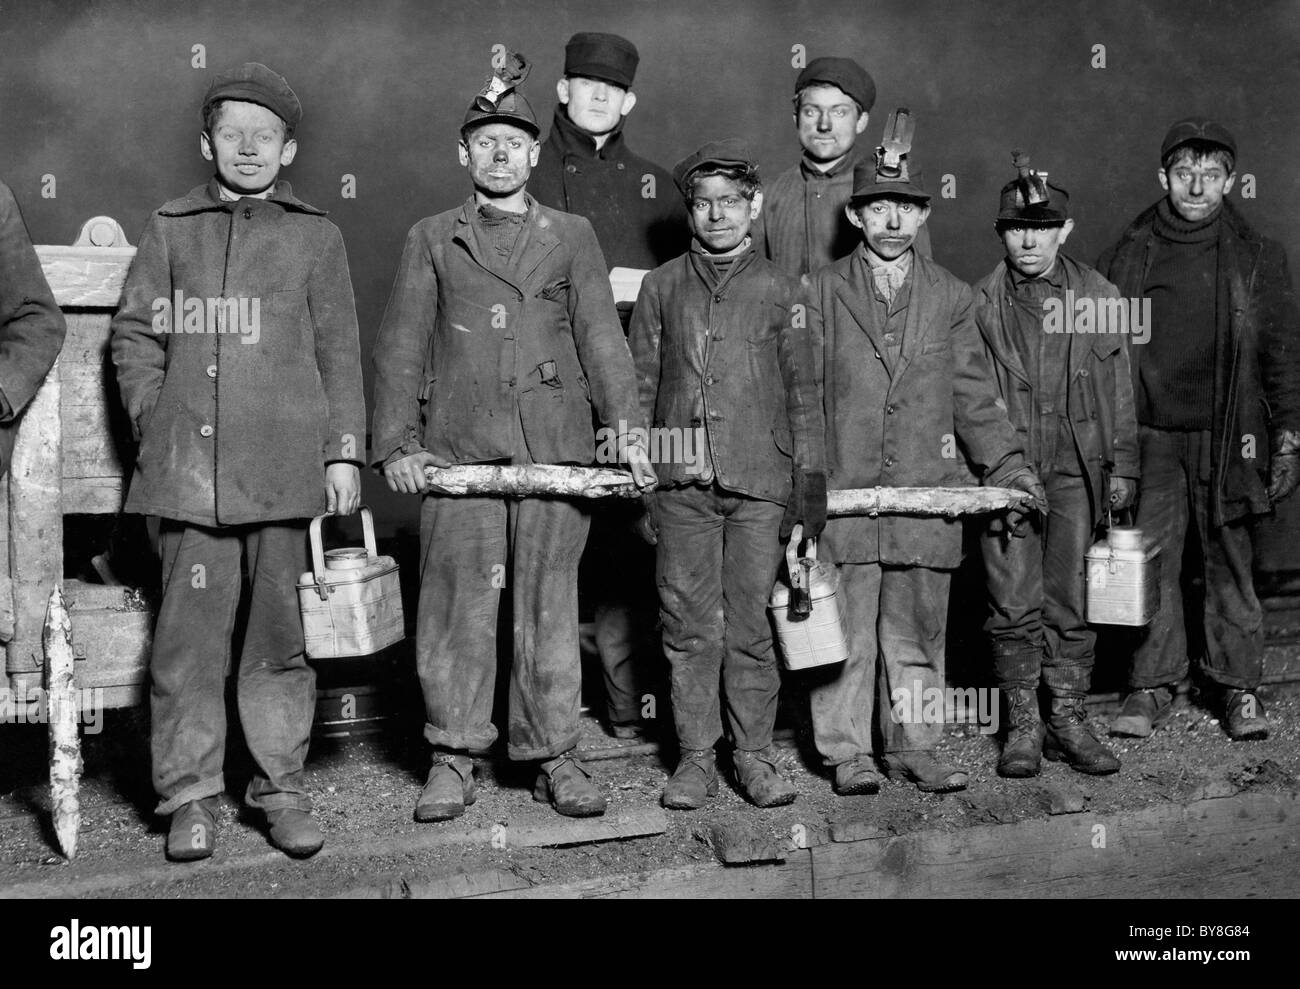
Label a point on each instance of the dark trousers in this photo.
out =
(276, 689)
(717, 561)
(1175, 495)
(471, 550)
(897, 619)
(1036, 595)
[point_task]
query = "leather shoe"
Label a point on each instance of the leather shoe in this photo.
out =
(693, 781)
(295, 832)
(448, 790)
(759, 781)
(1243, 716)
(566, 784)
(192, 834)
(928, 773)
(1143, 711)
(857, 776)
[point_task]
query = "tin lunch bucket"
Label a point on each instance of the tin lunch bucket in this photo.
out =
(816, 637)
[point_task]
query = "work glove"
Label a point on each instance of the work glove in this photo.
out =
(1284, 469)
(1122, 492)
(807, 504)
(647, 526)
(1018, 518)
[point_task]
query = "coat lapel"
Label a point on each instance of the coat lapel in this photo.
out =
(922, 308)
(854, 293)
(537, 241)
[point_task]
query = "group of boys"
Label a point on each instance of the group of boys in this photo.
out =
(809, 341)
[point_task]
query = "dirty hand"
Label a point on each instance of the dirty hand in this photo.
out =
(807, 504)
(342, 489)
(638, 462)
(647, 526)
(1284, 471)
(406, 475)
(1122, 492)
(1018, 518)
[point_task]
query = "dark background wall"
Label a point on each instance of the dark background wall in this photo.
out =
(103, 96)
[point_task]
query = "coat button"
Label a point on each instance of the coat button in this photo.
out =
(889, 410)
(620, 166)
(212, 370)
(571, 169)
(889, 461)
(717, 298)
(1083, 373)
(248, 213)
(205, 430)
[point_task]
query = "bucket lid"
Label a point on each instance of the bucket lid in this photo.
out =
(349, 558)
(1124, 537)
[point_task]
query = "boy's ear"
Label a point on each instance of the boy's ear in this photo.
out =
(288, 152)
(862, 122)
(854, 217)
(205, 145)
(756, 205)
(925, 215)
(534, 153)
(629, 101)
(462, 152)
(1164, 179)
(562, 90)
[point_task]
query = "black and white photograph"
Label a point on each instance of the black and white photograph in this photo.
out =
(830, 449)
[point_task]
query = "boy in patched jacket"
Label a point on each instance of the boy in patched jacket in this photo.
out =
(720, 349)
(239, 366)
(1068, 392)
(909, 401)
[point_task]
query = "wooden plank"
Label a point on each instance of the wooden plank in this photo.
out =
(35, 522)
(94, 495)
(86, 276)
(789, 880)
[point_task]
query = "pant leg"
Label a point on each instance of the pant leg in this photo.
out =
(1069, 647)
(190, 660)
(1163, 513)
(751, 556)
(276, 688)
(688, 571)
(1013, 567)
(913, 627)
(842, 696)
(546, 540)
(463, 567)
(1234, 618)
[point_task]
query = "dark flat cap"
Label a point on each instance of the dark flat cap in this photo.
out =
(253, 82)
(869, 183)
(601, 56)
(844, 73)
(732, 151)
(1198, 129)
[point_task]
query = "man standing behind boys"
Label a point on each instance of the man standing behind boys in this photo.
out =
(586, 167)
(1071, 397)
(719, 346)
(907, 391)
(249, 412)
(499, 339)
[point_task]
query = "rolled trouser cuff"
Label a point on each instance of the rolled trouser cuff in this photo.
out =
(210, 787)
(521, 753)
(463, 740)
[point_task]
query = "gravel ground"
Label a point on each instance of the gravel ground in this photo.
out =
(364, 789)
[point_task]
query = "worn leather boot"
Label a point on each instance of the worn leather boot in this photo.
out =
(1068, 739)
(449, 788)
(759, 781)
(295, 832)
(565, 783)
(928, 773)
(1022, 753)
(1143, 711)
(192, 834)
(1243, 716)
(857, 777)
(693, 782)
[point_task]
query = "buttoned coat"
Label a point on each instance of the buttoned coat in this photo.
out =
(31, 325)
(734, 360)
(1099, 393)
(466, 355)
(1256, 366)
(238, 409)
(933, 419)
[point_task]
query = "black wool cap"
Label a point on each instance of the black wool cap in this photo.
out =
(1198, 129)
(601, 56)
(843, 73)
(730, 152)
(253, 82)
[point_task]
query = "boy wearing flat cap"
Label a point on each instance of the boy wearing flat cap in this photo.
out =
(499, 342)
(1217, 389)
(804, 224)
(586, 167)
(1070, 396)
(249, 413)
(718, 342)
(904, 382)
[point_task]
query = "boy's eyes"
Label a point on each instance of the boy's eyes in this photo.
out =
(838, 112)
(701, 205)
(1185, 176)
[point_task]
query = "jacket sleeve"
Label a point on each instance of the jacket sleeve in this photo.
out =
(338, 351)
(1279, 340)
(598, 335)
(979, 415)
(139, 352)
(802, 395)
(644, 339)
(31, 325)
(400, 350)
(1124, 452)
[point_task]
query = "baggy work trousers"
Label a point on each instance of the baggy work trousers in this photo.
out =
(276, 689)
(471, 549)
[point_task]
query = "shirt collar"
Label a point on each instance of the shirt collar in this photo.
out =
(903, 262)
(1055, 277)
(572, 139)
(845, 164)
